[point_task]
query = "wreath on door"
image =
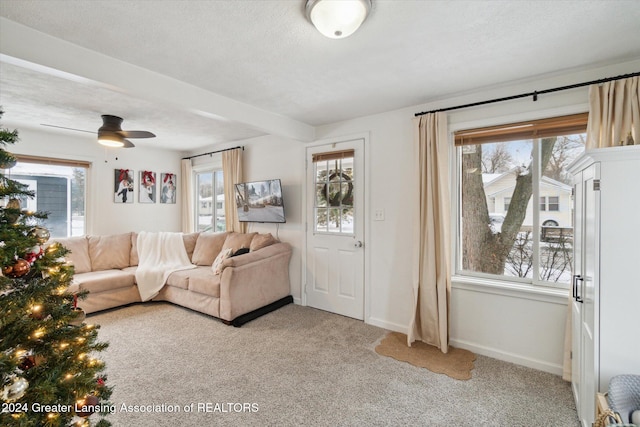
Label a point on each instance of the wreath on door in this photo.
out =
(338, 198)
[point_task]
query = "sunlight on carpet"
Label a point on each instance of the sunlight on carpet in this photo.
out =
(457, 363)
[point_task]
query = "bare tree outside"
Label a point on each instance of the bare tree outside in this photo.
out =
(497, 160)
(486, 251)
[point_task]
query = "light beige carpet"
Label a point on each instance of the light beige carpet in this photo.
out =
(456, 363)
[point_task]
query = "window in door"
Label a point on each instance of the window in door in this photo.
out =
(210, 201)
(334, 183)
(528, 161)
(60, 190)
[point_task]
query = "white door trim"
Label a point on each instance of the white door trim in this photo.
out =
(367, 217)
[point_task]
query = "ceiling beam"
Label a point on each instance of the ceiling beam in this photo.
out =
(27, 47)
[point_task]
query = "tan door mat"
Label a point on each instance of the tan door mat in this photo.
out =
(457, 363)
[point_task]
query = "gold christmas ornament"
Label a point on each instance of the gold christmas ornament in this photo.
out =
(80, 316)
(41, 234)
(13, 204)
(8, 164)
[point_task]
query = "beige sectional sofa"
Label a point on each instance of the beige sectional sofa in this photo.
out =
(248, 285)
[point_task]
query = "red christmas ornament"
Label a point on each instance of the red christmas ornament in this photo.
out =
(86, 406)
(19, 268)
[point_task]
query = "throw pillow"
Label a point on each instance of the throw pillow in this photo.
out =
(217, 264)
(262, 241)
(241, 251)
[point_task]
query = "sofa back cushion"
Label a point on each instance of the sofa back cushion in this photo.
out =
(188, 239)
(260, 241)
(108, 252)
(207, 248)
(133, 257)
(190, 243)
(79, 255)
(236, 241)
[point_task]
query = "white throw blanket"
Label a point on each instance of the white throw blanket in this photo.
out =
(159, 255)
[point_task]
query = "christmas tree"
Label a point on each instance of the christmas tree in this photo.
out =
(49, 373)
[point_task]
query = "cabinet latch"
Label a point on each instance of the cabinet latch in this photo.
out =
(596, 185)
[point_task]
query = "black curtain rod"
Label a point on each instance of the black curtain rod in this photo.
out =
(212, 152)
(534, 94)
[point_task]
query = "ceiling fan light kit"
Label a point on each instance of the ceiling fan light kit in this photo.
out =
(110, 140)
(337, 19)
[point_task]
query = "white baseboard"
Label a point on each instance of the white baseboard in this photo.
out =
(395, 327)
(540, 365)
(297, 301)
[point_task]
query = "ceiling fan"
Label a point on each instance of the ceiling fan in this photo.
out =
(111, 133)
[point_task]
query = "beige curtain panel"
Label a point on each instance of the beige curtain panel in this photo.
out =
(614, 114)
(232, 174)
(432, 269)
(186, 208)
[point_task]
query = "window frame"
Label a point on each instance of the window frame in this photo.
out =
(467, 278)
(69, 163)
(212, 167)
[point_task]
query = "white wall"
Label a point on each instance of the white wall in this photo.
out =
(525, 326)
(103, 215)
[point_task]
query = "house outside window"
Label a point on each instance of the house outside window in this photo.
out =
(526, 242)
(60, 190)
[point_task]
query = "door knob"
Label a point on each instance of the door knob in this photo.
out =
(358, 244)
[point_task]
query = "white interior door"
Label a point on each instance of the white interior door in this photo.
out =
(335, 228)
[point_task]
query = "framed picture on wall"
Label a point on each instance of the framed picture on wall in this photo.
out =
(147, 193)
(168, 191)
(123, 185)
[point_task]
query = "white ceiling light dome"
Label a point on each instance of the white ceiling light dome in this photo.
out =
(337, 19)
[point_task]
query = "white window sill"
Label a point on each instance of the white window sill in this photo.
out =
(511, 289)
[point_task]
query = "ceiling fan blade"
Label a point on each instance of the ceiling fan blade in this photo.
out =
(62, 127)
(136, 134)
(127, 143)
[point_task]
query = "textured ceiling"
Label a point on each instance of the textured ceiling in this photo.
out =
(265, 54)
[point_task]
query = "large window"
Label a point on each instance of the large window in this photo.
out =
(520, 164)
(209, 201)
(60, 190)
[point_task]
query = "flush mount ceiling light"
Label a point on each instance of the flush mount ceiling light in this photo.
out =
(337, 19)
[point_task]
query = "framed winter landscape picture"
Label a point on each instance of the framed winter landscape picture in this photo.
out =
(168, 191)
(123, 185)
(147, 193)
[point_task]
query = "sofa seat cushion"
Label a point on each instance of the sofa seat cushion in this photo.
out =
(104, 280)
(179, 279)
(202, 280)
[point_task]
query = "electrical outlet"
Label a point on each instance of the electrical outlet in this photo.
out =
(378, 215)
